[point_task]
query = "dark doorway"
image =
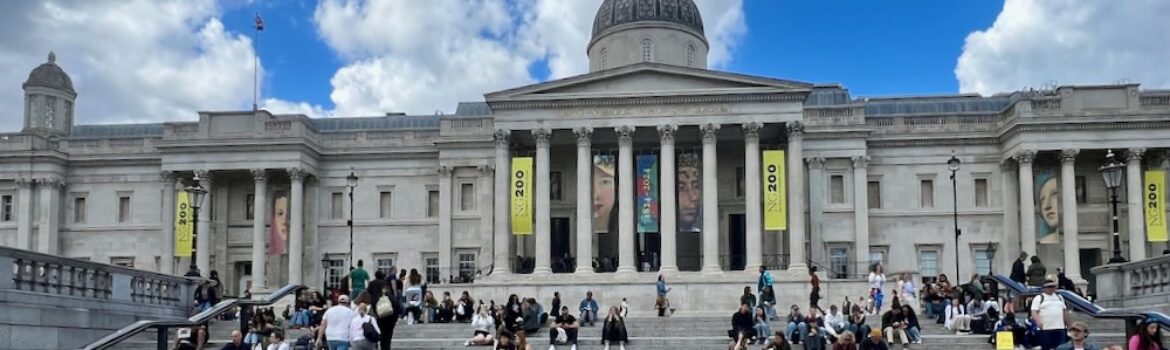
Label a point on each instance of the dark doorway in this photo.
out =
(736, 242)
(1090, 258)
(649, 248)
(562, 259)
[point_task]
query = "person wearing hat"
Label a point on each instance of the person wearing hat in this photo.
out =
(874, 342)
(1079, 332)
(335, 325)
(1050, 315)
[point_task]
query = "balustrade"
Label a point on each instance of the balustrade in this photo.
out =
(1138, 282)
(47, 274)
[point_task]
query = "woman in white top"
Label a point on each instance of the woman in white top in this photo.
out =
(908, 294)
(357, 337)
(877, 278)
(276, 341)
(957, 318)
(483, 323)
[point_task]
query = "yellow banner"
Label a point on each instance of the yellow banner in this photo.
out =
(1154, 200)
(521, 195)
(775, 193)
(1005, 340)
(183, 225)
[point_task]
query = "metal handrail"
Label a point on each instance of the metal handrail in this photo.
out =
(223, 306)
(1080, 303)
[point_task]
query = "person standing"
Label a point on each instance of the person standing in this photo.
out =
(1036, 272)
(378, 288)
(815, 295)
(764, 281)
(877, 279)
(1079, 332)
(357, 279)
(909, 293)
(556, 305)
(662, 303)
(1050, 315)
(1018, 274)
(335, 325)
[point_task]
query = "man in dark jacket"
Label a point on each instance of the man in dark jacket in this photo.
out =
(377, 288)
(1018, 269)
(742, 331)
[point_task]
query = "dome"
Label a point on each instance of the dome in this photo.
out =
(50, 75)
(617, 12)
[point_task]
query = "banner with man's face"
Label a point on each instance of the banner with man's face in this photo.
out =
(690, 192)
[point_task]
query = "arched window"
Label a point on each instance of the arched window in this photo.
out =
(690, 55)
(647, 50)
(604, 58)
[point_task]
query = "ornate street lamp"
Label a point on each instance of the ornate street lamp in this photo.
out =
(195, 193)
(1111, 172)
(351, 181)
(953, 166)
(325, 275)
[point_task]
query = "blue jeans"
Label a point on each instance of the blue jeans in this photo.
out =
(859, 332)
(300, 318)
(914, 334)
(1050, 339)
(588, 316)
(338, 345)
(877, 300)
(769, 310)
(801, 327)
(763, 331)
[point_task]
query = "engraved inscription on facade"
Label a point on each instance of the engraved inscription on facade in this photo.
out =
(647, 111)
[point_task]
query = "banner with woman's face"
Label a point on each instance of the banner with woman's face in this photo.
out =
(1047, 196)
(604, 192)
(278, 234)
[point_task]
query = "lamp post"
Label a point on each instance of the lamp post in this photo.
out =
(195, 193)
(991, 248)
(1111, 172)
(953, 166)
(351, 181)
(325, 275)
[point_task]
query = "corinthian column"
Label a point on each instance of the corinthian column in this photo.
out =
(1133, 197)
(166, 259)
(626, 259)
(50, 205)
(24, 209)
(584, 200)
(203, 236)
(446, 266)
(296, 235)
(500, 266)
(710, 199)
(860, 213)
(1027, 203)
(668, 203)
(752, 202)
(543, 212)
(1068, 211)
(260, 214)
(797, 265)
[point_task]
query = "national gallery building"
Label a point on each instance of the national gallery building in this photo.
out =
(648, 163)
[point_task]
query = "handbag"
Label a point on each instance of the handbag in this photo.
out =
(562, 337)
(384, 308)
(370, 332)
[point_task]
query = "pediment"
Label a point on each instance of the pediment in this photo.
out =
(648, 79)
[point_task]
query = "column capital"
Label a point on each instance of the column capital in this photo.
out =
(542, 136)
(203, 175)
(751, 131)
(24, 182)
(1134, 154)
(666, 132)
(816, 163)
(502, 137)
(1025, 156)
(166, 176)
(1069, 155)
(296, 174)
(486, 170)
(259, 175)
(1007, 166)
(795, 129)
(625, 134)
(584, 135)
(50, 182)
(710, 132)
(444, 171)
(860, 161)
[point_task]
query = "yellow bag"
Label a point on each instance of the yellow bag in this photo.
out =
(1004, 340)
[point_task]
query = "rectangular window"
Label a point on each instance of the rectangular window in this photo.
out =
(384, 261)
(467, 197)
(6, 208)
(123, 210)
(123, 261)
(980, 193)
(432, 268)
(79, 210)
(432, 204)
(250, 207)
(1082, 192)
(466, 266)
(334, 271)
(554, 189)
(837, 189)
(739, 182)
(385, 204)
(878, 255)
(874, 194)
(982, 261)
(928, 262)
(337, 209)
(839, 262)
(926, 194)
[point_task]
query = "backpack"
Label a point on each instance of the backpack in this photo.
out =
(385, 307)
(303, 343)
(370, 332)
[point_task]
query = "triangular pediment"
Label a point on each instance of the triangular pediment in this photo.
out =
(648, 79)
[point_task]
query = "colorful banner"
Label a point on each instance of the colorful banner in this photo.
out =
(1154, 200)
(647, 193)
(278, 232)
(604, 194)
(521, 195)
(184, 227)
(1047, 195)
(690, 192)
(775, 191)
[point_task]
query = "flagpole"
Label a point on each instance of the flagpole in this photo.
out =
(255, 64)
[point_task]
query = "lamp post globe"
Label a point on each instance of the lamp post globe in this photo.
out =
(1111, 172)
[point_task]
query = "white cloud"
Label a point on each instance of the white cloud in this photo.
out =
(131, 61)
(1035, 42)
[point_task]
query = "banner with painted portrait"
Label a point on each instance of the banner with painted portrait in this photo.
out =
(604, 194)
(278, 230)
(690, 192)
(647, 193)
(1047, 196)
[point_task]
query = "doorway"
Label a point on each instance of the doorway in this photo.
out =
(1090, 258)
(737, 242)
(562, 260)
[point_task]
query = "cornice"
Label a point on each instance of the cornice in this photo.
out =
(975, 141)
(650, 100)
(835, 135)
(1014, 129)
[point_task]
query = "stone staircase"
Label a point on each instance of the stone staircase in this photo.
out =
(652, 333)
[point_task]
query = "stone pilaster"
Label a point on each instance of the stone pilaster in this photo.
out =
(752, 203)
(669, 206)
(1133, 199)
(710, 199)
(543, 211)
(584, 200)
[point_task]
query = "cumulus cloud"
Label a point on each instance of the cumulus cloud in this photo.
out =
(1035, 42)
(131, 61)
(419, 57)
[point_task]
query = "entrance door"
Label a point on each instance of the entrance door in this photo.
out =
(1090, 258)
(736, 242)
(562, 260)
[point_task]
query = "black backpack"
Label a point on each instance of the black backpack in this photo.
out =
(370, 332)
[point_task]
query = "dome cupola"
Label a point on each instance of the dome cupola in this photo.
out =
(48, 99)
(633, 31)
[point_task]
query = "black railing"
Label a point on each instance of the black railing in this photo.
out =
(1081, 304)
(163, 327)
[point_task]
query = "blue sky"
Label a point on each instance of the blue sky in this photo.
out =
(165, 60)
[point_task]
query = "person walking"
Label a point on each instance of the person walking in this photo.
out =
(1148, 336)
(662, 303)
(378, 288)
(357, 280)
(1050, 315)
(359, 339)
(764, 281)
(814, 296)
(877, 279)
(335, 325)
(1036, 272)
(1079, 332)
(907, 290)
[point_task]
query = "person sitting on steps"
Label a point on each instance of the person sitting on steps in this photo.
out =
(563, 330)
(613, 330)
(588, 309)
(741, 332)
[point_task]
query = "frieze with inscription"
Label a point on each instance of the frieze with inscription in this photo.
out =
(647, 111)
